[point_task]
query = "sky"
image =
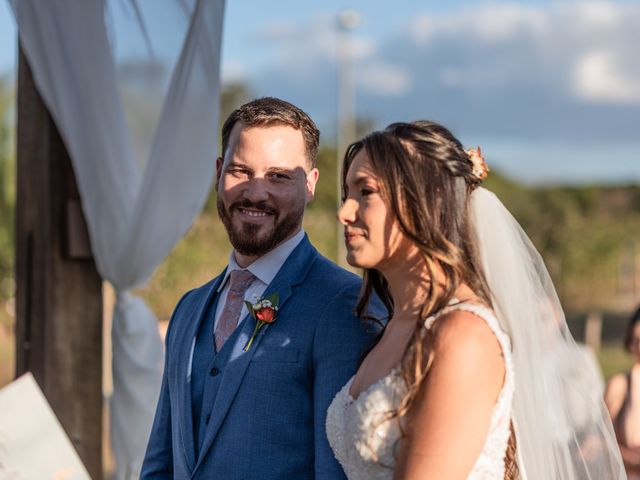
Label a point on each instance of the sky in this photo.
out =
(550, 88)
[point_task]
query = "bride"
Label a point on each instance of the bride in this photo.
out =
(471, 377)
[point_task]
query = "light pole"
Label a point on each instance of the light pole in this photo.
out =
(345, 108)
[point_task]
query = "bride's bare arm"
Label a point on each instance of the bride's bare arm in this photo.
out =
(448, 424)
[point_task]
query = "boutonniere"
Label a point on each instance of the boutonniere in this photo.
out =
(264, 311)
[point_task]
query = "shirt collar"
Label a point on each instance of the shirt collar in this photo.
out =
(267, 266)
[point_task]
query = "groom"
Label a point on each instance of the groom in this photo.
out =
(236, 407)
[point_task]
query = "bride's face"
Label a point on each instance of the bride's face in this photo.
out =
(371, 231)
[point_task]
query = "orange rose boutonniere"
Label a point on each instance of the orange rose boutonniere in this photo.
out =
(264, 311)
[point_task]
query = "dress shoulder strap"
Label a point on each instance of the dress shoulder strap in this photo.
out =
(482, 312)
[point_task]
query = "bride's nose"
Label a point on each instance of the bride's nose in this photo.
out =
(347, 212)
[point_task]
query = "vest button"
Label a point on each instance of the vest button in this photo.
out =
(214, 371)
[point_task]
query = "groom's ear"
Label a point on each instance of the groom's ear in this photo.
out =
(219, 162)
(312, 180)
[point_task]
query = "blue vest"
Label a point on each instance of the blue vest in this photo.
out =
(206, 372)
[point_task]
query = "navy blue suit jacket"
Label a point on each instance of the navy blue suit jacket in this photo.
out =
(268, 418)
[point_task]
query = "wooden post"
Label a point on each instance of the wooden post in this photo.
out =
(59, 295)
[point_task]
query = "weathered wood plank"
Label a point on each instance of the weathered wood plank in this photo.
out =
(58, 299)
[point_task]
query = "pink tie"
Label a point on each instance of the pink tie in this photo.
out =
(239, 281)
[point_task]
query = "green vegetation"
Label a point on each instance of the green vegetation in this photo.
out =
(7, 191)
(614, 359)
(7, 246)
(589, 237)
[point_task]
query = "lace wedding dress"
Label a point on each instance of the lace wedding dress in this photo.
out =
(359, 436)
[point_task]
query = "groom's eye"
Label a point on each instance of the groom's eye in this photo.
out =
(280, 175)
(238, 172)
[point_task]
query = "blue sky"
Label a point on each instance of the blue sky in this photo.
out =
(549, 89)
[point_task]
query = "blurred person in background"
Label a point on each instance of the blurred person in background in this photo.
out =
(622, 397)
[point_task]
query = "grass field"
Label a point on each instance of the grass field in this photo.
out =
(613, 359)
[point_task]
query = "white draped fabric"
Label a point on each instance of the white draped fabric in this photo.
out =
(135, 214)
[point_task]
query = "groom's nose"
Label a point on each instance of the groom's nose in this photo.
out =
(255, 190)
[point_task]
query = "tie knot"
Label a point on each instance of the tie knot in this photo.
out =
(239, 280)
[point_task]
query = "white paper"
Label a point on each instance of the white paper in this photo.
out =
(33, 444)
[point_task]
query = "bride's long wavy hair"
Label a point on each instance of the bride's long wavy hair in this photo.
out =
(425, 179)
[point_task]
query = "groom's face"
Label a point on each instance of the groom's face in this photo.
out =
(264, 183)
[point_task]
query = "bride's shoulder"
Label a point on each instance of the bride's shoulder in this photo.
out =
(465, 333)
(467, 361)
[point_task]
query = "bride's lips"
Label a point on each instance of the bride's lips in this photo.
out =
(351, 237)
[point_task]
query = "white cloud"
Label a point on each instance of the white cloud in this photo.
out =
(599, 14)
(465, 77)
(487, 23)
(555, 69)
(314, 41)
(600, 77)
(383, 79)
(422, 29)
(586, 50)
(279, 31)
(234, 71)
(545, 47)
(362, 47)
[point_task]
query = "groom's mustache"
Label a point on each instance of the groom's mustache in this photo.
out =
(260, 206)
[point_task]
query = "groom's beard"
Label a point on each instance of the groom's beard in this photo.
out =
(248, 239)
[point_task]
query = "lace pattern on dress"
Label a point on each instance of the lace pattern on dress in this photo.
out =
(365, 444)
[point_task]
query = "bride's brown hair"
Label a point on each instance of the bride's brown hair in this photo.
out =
(425, 179)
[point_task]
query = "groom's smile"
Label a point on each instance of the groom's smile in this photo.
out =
(254, 214)
(247, 211)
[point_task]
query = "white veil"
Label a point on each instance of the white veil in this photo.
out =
(563, 430)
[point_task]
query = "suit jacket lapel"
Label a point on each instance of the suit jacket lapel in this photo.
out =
(196, 314)
(292, 273)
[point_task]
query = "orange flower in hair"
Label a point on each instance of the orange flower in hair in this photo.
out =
(479, 167)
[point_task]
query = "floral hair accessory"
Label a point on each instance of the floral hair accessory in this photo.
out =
(479, 167)
(264, 311)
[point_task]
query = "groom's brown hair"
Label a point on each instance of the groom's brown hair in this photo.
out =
(271, 111)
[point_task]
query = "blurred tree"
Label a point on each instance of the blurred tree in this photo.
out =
(232, 96)
(7, 190)
(327, 188)
(581, 232)
(364, 126)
